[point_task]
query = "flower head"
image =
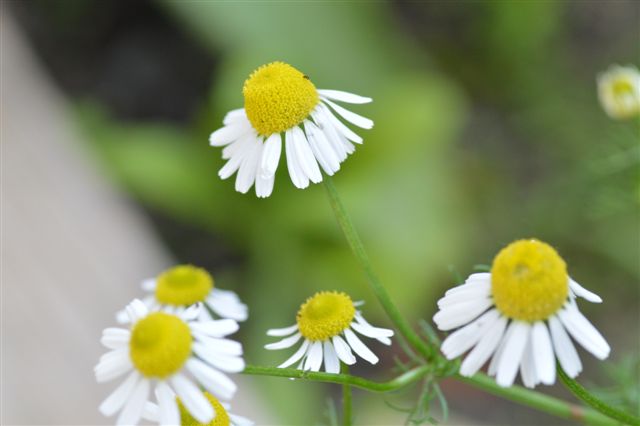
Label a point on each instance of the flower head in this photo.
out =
(280, 101)
(181, 286)
(520, 313)
(163, 349)
(324, 321)
(222, 415)
(619, 91)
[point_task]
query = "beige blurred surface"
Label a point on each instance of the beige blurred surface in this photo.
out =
(73, 252)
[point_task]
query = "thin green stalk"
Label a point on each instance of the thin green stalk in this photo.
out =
(579, 391)
(378, 289)
(399, 382)
(346, 398)
(545, 403)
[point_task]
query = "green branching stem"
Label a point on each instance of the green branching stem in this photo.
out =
(378, 289)
(579, 391)
(347, 415)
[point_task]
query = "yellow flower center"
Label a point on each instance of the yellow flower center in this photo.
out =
(160, 344)
(221, 418)
(183, 285)
(529, 281)
(622, 87)
(278, 97)
(325, 315)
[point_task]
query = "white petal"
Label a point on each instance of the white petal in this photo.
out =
(373, 332)
(343, 350)
(237, 148)
(115, 338)
(249, 168)
(465, 293)
(339, 126)
(234, 115)
(296, 356)
(305, 155)
(461, 313)
(132, 411)
(168, 411)
(463, 339)
(493, 365)
(299, 179)
(191, 313)
(513, 350)
(331, 361)
(148, 285)
(583, 331)
(278, 332)
(331, 134)
(222, 361)
(564, 349)
(543, 358)
(150, 412)
(314, 357)
(236, 153)
(224, 346)
(193, 399)
(527, 365)
(239, 420)
(473, 282)
(211, 379)
(264, 186)
(227, 134)
(351, 117)
(136, 310)
(322, 149)
(485, 348)
(287, 342)
(271, 155)
(583, 292)
(114, 366)
(359, 347)
(118, 397)
(341, 96)
(216, 328)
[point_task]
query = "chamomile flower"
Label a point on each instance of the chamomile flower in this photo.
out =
(520, 313)
(181, 286)
(324, 321)
(161, 350)
(223, 417)
(619, 91)
(281, 103)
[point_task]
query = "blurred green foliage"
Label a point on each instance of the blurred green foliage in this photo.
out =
(471, 150)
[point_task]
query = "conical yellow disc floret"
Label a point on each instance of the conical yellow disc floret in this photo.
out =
(183, 285)
(278, 97)
(529, 281)
(325, 315)
(221, 417)
(160, 344)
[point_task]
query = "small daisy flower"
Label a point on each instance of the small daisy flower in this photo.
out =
(324, 321)
(619, 91)
(520, 313)
(181, 286)
(160, 350)
(222, 417)
(280, 103)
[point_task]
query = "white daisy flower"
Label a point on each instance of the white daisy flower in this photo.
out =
(520, 313)
(280, 103)
(619, 91)
(324, 321)
(181, 286)
(160, 350)
(223, 417)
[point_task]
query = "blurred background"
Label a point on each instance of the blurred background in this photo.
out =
(488, 129)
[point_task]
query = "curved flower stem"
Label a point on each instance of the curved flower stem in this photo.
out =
(346, 398)
(579, 391)
(542, 402)
(378, 289)
(399, 382)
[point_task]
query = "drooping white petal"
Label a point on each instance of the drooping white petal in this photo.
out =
(305, 155)
(460, 313)
(115, 338)
(264, 186)
(227, 134)
(373, 332)
(215, 328)
(224, 346)
(322, 149)
(271, 155)
(331, 361)
(343, 350)
(249, 168)
(340, 126)
(495, 360)
(132, 411)
(299, 179)
(296, 356)
(314, 357)
(359, 347)
(212, 380)
(118, 397)
(168, 411)
(113, 364)
(287, 342)
(583, 331)
(229, 307)
(278, 332)
(543, 358)
(463, 339)
(339, 95)
(484, 349)
(583, 292)
(513, 350)
(527, 365)
(564, 349)
(331, 134)
(351, 117)
(220, 360)
(192, 398)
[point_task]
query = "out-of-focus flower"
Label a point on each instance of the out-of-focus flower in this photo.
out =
(281, 102)
(222, 417)
(619, 91)
(181, 286)
(159, 350)
(324, 321)
(519, 313)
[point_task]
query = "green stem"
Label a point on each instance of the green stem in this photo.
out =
(378, 289)
(399, 382)
(542, 402)
(346, 398)
(579, 391)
